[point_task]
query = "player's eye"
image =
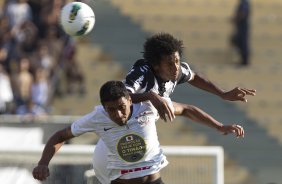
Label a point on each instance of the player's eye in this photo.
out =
(122, 108)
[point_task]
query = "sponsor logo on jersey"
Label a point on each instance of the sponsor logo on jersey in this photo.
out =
(106, 129)
(125, 171)
(131, 148)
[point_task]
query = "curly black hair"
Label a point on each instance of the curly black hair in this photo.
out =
(159, 45)
(113, 90)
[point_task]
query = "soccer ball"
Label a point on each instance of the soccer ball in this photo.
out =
(77, 18)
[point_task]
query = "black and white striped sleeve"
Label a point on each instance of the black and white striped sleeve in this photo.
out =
(136, 80)
(186, 74)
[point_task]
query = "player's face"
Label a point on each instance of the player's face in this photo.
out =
(169, 67)
(119, 110)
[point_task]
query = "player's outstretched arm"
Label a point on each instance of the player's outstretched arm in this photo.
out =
(236, 94)
(41, 171)
(199, 116)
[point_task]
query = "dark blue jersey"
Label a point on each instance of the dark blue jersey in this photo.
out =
(141, 79)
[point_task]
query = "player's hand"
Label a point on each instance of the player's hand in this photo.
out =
(165, 111)
(41, 172)
(236, 129)
(238, 94)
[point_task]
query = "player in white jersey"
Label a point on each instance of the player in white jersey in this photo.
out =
(155, 77)
(129, 132)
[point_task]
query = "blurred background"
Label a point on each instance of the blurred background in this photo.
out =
(48, 79)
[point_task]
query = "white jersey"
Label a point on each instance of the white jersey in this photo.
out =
(133, 149)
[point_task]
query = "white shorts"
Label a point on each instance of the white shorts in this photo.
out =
(100, 163)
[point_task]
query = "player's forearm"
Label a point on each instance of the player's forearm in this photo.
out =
(54, 144)
(204, 84)
(51, 147)
(141, 97)
(202, 117)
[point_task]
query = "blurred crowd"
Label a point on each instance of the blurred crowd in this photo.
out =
(36, 57)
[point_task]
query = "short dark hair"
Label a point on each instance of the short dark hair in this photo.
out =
(113, 90)
(159, 45)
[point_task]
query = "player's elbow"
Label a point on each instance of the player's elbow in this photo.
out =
(63, 135)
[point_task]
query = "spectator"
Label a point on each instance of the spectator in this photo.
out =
(5, 42)
(31, 28)
(23, 81)
(43, 58)
(40, 88)
(54, 43)
(240, 37)
(18, 12)
(30, 112)
(50, 15)
(26, 38)
(6, 95)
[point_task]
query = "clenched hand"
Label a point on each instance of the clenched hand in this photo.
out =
(165, 111)
(236, 129)
(40, 172)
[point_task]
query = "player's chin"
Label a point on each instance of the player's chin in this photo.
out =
(174, 76)
(121, 122)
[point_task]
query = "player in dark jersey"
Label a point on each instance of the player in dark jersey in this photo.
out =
(160, 71)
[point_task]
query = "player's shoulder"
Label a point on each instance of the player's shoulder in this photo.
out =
(186, 70)
(140, 62)
(186, 74)
(99, 109)
(98, 114)
(185, 65)
(142, 65)
(141, 70)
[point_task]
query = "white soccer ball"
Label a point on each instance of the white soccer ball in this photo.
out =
(77, 18)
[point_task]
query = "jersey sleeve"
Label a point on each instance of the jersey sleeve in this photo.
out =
(136, 80)
(84, 124)
(186, 73)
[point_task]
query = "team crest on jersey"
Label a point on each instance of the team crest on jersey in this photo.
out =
(143, 118)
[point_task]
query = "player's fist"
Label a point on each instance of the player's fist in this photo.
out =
(40, 172)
